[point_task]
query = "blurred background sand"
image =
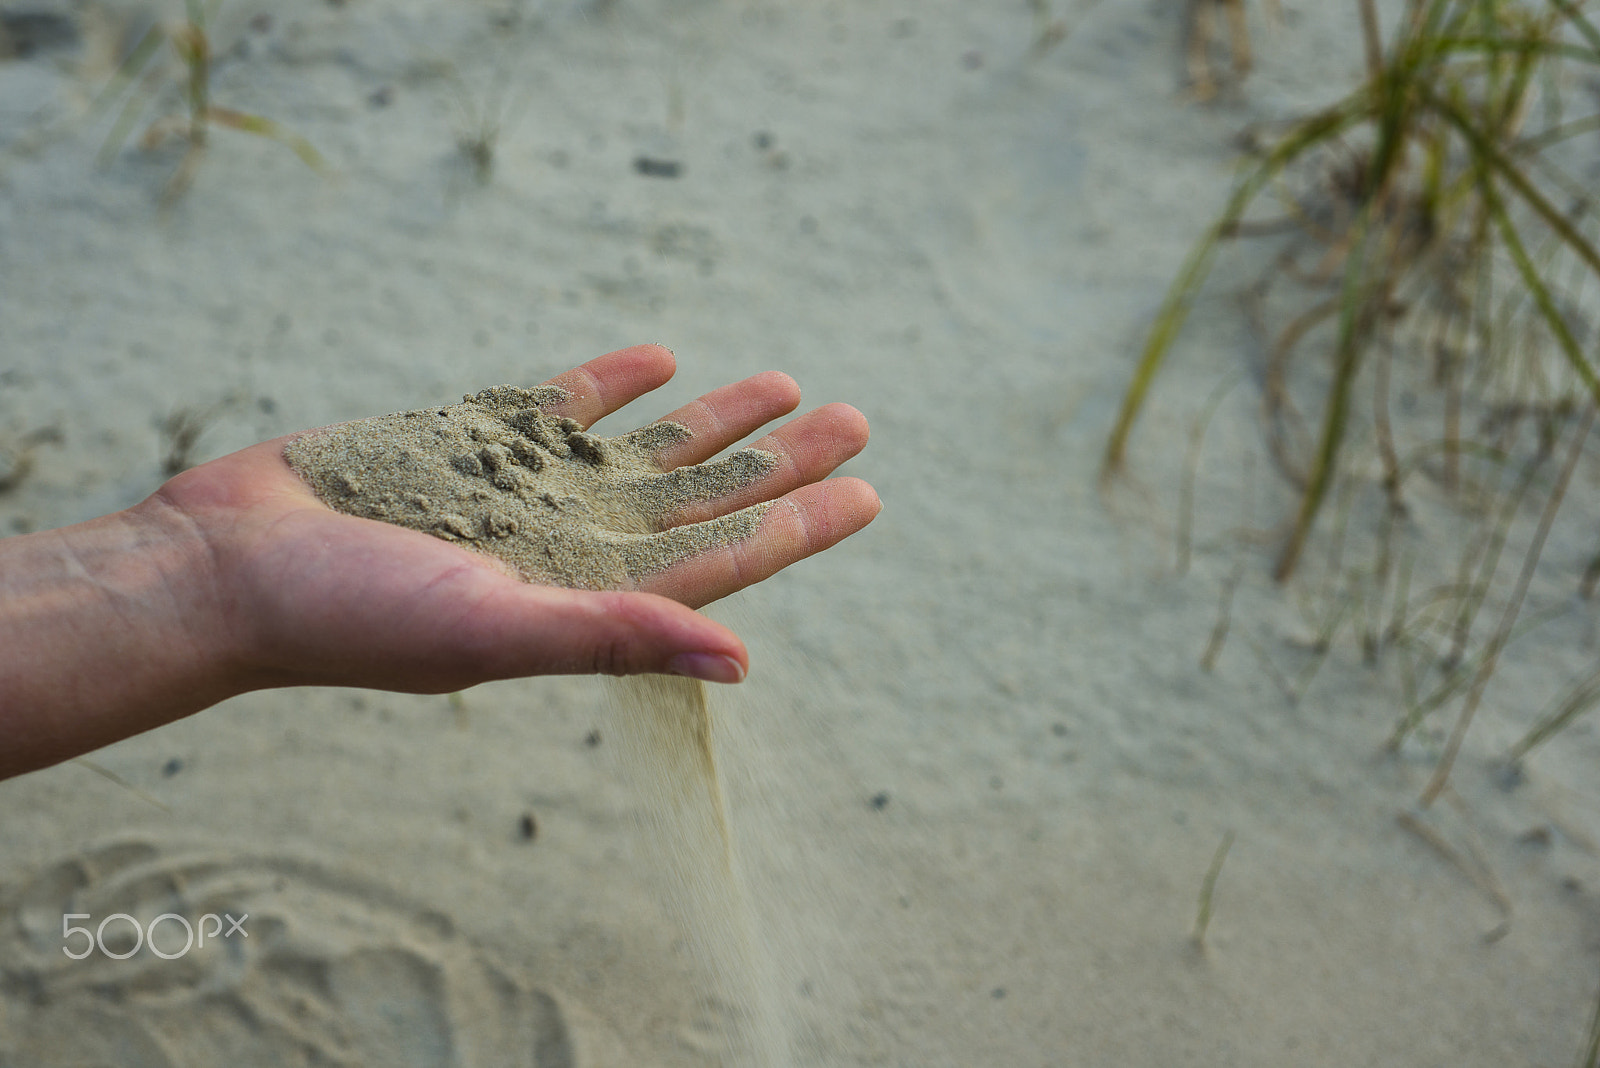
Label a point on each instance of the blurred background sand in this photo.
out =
(975, 737)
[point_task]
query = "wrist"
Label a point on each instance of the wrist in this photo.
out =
(112, 627)
(175, 571)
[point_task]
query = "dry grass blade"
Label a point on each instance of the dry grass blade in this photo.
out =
(1471, 864)
(274, 131)
(1458, 677)
(111, 776)
(1224, 622)
(1476, 591)
(1230, 585)
(1508, 618)
(1197, 437)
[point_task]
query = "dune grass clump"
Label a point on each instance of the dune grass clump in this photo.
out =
(485, 99)
(190, 41)
(481, 119)
(1443, 231)
(1439, 185)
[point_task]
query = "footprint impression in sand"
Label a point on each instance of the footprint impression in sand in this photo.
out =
(323, 969)
(499, 475)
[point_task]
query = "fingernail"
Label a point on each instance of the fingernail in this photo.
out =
(707, 667)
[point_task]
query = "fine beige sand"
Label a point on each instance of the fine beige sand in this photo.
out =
(976, 777)
(498, 475)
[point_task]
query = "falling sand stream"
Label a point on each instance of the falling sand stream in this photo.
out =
(667, 745)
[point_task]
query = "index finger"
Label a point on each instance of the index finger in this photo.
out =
(606, 383)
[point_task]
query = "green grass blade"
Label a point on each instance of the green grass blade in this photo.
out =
(1554, 135)
(1488, 154)
(1421, 710)
(1353, 301)
(1438, 15)
(127, 117)
(1516, 179)
(1541, 293)
(1208, 888)
(1460, 675)
(1579, 22)
(1498, 46)
(1174, 309)
(129, 71)
(1180, 295)
(132, 70)
(1334, 418)
(1579, 698)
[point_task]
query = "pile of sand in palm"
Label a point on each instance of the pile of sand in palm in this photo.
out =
(499, 475)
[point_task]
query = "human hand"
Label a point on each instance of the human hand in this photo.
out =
(306, 595)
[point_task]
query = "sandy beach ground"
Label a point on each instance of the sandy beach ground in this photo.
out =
(976, 770)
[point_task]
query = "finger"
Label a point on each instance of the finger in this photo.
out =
(726, 415)
(607, 382)
(808, 449)
(611, 633)
(797, 525)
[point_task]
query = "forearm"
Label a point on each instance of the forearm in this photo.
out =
(107, 628)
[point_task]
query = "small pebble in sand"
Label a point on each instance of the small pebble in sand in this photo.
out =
(651, 167)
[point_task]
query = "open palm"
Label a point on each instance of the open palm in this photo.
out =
(307, 595)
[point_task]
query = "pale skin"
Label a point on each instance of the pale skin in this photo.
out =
(234, 577)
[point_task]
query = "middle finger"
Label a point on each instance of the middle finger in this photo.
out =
(808, 448)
